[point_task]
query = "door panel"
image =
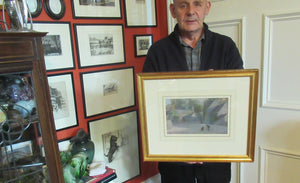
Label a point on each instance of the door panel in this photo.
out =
(267, 35)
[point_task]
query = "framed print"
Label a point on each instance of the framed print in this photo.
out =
(109, 90)
(17, 151)
(142, 44)
(35, 7)
(140, 13)
(103, 9)
(99, 44)
(57, 45)
(63, 100)
(116, 144)
(55, 8)
(210, 115)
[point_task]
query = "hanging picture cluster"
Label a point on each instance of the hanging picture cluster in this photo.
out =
(87, 69)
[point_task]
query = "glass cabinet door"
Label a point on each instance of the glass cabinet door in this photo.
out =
(28, 142)
(22, 156)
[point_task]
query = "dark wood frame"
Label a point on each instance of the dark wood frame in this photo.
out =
(51, 13)
(70, 98)
(113, 108)
(136, 46)
(38, 9)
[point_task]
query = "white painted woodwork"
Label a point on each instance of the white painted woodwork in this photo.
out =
(267, 33)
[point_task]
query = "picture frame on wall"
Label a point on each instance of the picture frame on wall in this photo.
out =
(116, 144)
(35, 7)
(99, 45)
(140, 13)
(100, 9)
(108, 90)
(55, 9)
(63, 100)
(57, 45)
(215, 123)
(142, 43)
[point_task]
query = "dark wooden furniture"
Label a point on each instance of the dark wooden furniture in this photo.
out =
(21, 56)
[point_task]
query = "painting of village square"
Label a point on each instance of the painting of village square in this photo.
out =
(197, 115)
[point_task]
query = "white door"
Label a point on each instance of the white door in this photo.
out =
(267, 33)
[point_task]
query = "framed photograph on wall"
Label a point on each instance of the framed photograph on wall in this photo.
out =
(103, 9)
(108, 90)
(99, 44)
(116, 144)
(210, 115)
(35, 7)
(63, 100)
(57, 45)
(55, 9)
(140, 13)
(142, 43)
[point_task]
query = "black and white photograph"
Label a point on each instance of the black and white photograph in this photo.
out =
(116, 144)
(140, 13)
(99, 44)
(142, 44)
(14, 152)
(62, 100)
(108, 90)
(57, 45)
(102, 9)
(98, 2)
(52, 45)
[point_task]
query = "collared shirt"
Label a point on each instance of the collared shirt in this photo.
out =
(192, 55)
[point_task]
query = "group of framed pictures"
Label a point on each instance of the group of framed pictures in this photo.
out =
(138, 13)
(103, 91)
(54, 8)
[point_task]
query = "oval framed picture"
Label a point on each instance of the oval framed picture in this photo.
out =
(35, 7)
(55, 8)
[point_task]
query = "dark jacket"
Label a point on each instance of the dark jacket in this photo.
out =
(218, 52)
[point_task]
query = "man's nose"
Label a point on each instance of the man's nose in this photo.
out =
(190, 10)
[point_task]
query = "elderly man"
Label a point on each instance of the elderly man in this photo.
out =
(193, 47)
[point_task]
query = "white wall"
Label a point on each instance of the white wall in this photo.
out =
(267, 35)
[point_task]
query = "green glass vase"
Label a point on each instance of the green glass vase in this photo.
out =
(82, 143)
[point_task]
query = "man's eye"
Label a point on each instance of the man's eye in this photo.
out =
(198, 4)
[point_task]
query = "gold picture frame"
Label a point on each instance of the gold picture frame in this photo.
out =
(206, 116)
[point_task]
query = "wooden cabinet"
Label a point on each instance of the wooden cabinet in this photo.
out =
(29, 150)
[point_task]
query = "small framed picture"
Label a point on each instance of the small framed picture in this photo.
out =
(116, 144)
(142, 44)
(140, 13)
(215, 123)
(17, 151)
(57, 45)
(35, 7)
(63, 100)
(102, 9)
(99, 44)
(108, 90)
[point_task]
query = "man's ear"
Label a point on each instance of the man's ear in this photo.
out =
(172, 10)
(208, 5)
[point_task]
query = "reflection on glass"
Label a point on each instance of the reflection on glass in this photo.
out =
(21, 155)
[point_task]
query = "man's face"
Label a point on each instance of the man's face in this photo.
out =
(190, 14)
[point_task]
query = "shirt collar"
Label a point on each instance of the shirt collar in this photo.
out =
(184, 44)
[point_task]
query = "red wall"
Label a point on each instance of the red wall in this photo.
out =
(147, 169)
